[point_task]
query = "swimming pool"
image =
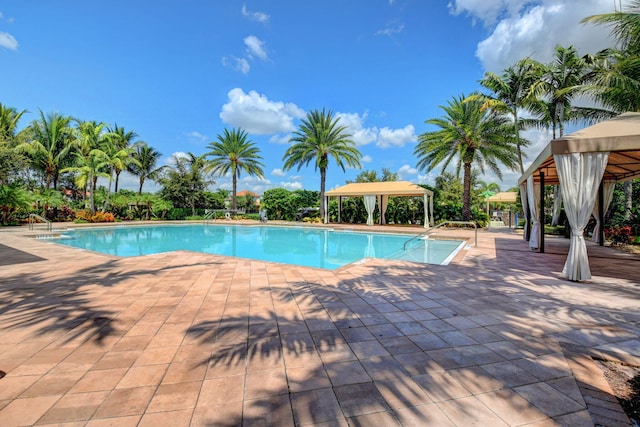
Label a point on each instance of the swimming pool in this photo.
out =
(306, 246)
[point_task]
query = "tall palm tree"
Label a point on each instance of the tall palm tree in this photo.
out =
(9, 118)
(625, 23)
(50, 144)
(318, 139)
(122, 140)
(147, 158)
(233, 153)
(117, 160)
(10, 160)
(620, 77)
(472, 134)
(512, 91)
(89, 156)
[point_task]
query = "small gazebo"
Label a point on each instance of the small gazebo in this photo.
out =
(380, 192)
(586, 164)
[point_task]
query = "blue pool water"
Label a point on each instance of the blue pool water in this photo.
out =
(311, 247)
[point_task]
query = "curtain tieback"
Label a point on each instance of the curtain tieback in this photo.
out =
(577, 233)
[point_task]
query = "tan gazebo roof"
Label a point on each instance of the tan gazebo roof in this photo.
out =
(504, 197)
(387, 188)
(620, 136)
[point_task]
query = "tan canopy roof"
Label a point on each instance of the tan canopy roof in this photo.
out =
(620, 136)
(504, 197)
(387, 188)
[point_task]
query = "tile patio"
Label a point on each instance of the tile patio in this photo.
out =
(496, 338)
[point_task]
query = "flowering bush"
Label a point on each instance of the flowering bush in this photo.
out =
(619, 236)
(86, 216)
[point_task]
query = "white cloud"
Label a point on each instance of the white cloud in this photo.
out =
(8, 41)
(296, 177)
(406, 171)
(256, 16)
(255, 47)
(278, 172)
(486, 11)
(280, 138)
(428, 179)
(390, 29)
(256, 114)
(366, 159)
(238, 64)
(197, 137)
(521, 28)
(354, 123)
(396, 137)
(291, 186)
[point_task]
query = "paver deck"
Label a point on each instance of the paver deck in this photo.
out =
(497, 338)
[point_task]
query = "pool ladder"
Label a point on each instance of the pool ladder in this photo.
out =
(36, 219)
(426, 233)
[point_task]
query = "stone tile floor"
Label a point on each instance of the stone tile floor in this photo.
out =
(497, 338)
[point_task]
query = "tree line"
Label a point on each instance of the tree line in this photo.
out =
(477, 132)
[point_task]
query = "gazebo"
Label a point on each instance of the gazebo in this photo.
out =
(380, 192)
(586, 165)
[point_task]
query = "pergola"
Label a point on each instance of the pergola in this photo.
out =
(502, 197)
(380, 191)
(586, 165)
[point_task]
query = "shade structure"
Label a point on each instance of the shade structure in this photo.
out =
(619, 136)
(503, 197)
(608, 151)
(383, 190)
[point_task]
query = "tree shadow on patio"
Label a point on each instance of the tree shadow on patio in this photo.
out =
(396, 337)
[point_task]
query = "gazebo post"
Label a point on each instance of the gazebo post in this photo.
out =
(541, 248)
(601, 213)
(339, 209)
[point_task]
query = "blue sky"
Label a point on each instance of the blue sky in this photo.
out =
(179, 72)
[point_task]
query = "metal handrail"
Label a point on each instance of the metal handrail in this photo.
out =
(208, 216)
(34, 217)
(426, 233)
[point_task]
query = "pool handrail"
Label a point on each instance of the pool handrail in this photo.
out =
(34, 218)
(426, 233)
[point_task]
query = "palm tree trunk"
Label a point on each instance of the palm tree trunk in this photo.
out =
(466, 195)
(518, 147)
(106, 202)
(93, 194)
(141, 182)
(234, 202)
(628, 199)
(323, 178)
(115, 190)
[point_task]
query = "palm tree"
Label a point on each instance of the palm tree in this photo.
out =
(10, 159)
(147, 158)
(234, 153)
(473, 134)
(620, 75)
(9, 118)
(89, 157)
(318, 139)
(512, 92)
(122, 140)
(51, 139)
(625, 23)
(117, 159)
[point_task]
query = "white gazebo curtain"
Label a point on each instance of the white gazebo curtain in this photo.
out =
(557, 205)
(370, 205)
(607, 192)
(533, 194)
(525, 207)
(579, 175)
(384, 202)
